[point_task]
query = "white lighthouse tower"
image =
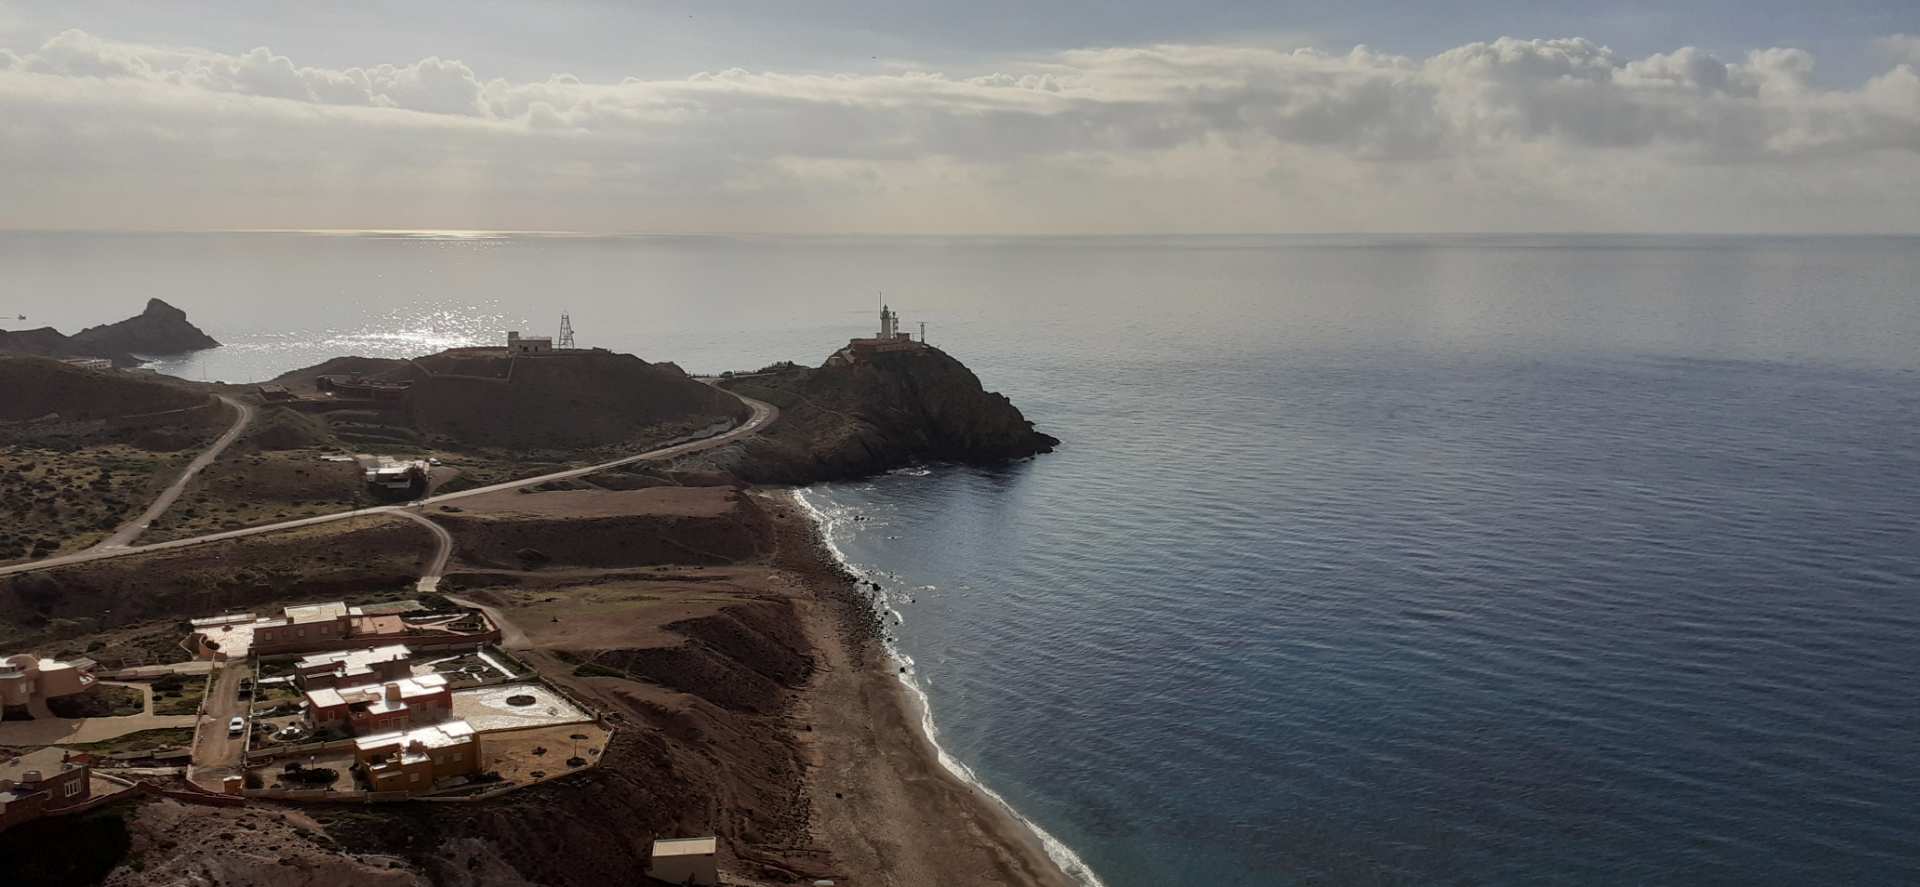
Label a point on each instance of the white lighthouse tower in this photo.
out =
(889, 323)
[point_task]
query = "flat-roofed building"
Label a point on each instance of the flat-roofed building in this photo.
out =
(41, 782)
(351, 668)
(685, 861)
(375, 708)
(519, 346)
(29, 680)
(413, 760)
(314, 628)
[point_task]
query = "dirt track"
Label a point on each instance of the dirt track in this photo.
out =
(763, 414)
(132, 529)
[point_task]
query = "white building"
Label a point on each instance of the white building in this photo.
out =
(685, 861)
(518, 344)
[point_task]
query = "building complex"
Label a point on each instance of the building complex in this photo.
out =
(41, 782)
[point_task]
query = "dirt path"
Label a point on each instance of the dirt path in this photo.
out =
(443, 552)
(46, 730)
(763, 415)
(511, 637)
(132, 529)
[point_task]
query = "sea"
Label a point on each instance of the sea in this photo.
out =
(1363, 559)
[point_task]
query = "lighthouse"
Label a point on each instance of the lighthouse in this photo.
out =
(890, 339)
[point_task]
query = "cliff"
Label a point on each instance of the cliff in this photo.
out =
(159, 329)
(883, 411)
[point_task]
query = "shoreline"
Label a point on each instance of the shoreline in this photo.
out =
(1037, 854)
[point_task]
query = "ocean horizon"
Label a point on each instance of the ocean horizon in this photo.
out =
(1387, 559)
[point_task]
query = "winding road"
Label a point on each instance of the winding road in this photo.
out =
(131, 530)
(763, 415)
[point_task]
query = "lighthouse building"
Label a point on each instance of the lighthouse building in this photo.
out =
(890, 339)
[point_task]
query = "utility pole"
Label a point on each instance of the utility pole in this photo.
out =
(923, 332)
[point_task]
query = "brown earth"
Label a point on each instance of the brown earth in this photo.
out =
(358, 559)
(251, 488)
(606, 528)
(38, 387)
(57, 501)
(752, 701)
(475, 399)
(255, 846)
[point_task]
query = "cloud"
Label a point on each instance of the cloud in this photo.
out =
(1504, 133)
(1900, 47)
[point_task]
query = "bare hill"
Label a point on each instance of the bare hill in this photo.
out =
(39, 387)
(479, 397)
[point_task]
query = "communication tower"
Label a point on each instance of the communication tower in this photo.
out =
(566, 332)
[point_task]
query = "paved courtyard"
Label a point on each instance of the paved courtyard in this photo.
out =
(489, 708)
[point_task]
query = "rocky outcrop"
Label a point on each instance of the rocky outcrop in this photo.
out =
(160, 329)
(876, 413)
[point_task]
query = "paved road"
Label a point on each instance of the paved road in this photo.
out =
(124, 536)
(216, 753)
(763, 415)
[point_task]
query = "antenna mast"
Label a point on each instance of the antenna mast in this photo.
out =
(566, 331)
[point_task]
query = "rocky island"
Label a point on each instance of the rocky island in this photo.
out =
(160, 329)
(601, 530)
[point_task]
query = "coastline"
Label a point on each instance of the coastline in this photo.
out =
(920, 816)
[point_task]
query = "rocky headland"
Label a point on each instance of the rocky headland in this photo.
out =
(851, 419)
(158, 330)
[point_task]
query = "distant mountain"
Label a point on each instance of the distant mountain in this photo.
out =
(160, 329)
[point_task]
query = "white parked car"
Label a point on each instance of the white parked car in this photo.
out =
(236, 726)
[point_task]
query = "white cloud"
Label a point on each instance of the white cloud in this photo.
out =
(1559, 133)
(1900, 47)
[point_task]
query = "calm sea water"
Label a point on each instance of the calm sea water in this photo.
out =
(1365, 560)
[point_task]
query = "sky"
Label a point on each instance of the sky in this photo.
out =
(986, 117)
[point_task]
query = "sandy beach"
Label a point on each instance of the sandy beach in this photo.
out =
(890, 811)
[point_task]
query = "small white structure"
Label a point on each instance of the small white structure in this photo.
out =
(398, 474)
(518, 345)
(685, 861)
(89, 363)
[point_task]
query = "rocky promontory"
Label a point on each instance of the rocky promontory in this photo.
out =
(882, 411)
(159, 329)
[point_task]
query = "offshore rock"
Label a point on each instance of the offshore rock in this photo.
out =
(160, 329)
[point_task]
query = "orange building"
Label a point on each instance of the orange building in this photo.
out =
(370, 709)
(413, 760)
(41, 782)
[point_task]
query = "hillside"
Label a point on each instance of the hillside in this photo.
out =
(158, 329)
(480, 398)
(48, 392)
